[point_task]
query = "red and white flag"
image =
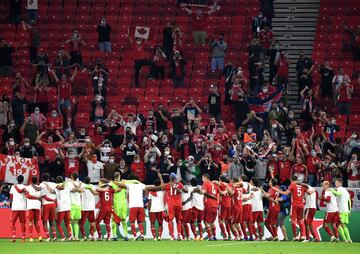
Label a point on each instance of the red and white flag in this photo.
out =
(11, 167)
(142, 32)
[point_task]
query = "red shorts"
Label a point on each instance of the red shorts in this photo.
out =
(197, 215)
(104, 215)
(271, 217)
(18, 214)
(90, 215)
(137, 214)
(186, 215)
(157, 216)
(64, 215)
(174, 212)
(309, 215)
(247, 213)
(225, 213)
(48, 212)
(33, 215)
(332, 218)
(237, 215)
(297, 213)
(258, 216)
(210, 214)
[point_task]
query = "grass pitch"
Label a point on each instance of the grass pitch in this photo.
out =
(175, 247)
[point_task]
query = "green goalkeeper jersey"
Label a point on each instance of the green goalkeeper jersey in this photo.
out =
(119, 197)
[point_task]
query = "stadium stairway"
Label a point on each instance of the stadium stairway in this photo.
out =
(294, 25)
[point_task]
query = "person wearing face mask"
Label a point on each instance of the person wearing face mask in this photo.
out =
(186, 147)
(71, 163)
(331, 130)
(104, 30)
(94, 168)
(313, 162)
(282, 65)
(350, 144)
(218, 48)
(11, 132)
(133, 121)
(151, 152)
(27, 150)
(255, 122)
(353, 172)
(105, 150)
(110, 167)
(54, 122)
(258, 23)
(17, 106)
(138, 168)
(274, 54)
(130, 149)
(10, 147)
(76, 43)
(38, 118)
(191, 170)
(249, 136)
(51, 148)
(208, 166)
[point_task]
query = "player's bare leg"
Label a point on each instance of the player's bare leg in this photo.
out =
(223, 229)
(228, 229)
(38, 231)
(284, 232)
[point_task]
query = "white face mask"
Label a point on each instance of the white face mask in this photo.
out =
(111, 160)
(166, 152)
(249, 130)
(274, 125)
(37, 111)
(152, 160)
(333, 122)
(313, 154)
(265, 90)
(137, 161)
(26, 144)
(11, 143)
(354, 136)
(71, 156)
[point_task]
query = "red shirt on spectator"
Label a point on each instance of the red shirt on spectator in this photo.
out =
(139, 51)
(64, 88)
(266, 37)
(138, 169)
(283, 67)
(344, 93)
(71, 166)
(199, 20)
(284, 170)
(51, 150)
(311, 164)
(54, 123)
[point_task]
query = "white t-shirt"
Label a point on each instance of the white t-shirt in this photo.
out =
(310, 200)
(257, 202)
(88, 200)
(185, 196)
(94, 170)
(32, 4)
(136, 193)
(34, 203)
(18, 199)
(157, 202)
(247, 186)
(47, 193)
(63, 199)
(105, 154)
(332, 205)
(343, 200)
(197, 200)
(75, 196)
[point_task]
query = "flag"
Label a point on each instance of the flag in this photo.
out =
(142, 32)
(262, 105)
(11, 167)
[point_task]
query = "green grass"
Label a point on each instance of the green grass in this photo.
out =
(184, 247)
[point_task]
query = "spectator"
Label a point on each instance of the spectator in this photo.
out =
(129, 149)
(109, 168)
(41, 100)
(308, 100)
(274, 56)
(178, 40)
(282, 66)
(138, 168)
(15, 11)
(177, 70)
(27, 150)
(191, 110)
(51, 148)
(304, 68)
(186, 147)
(19, 84)
(199, 22)
(38, 118)
(32, 10)
(140, 58)
(161, 116)
(34, 44)
(18, 106)
(299, 170)
(353, 171)
(241, 110)
(62, 63)
(6, 61)
(229, 73)
(258, 23)
(207, 166)
(41, 62)
(327, 75)
(11, 147)
(253, 124)
(179, 124)
(76, 43)
(94, 168)
(336, 82)
(5, 110)
(313, 163)
(345, 91)
(30, 130)
(168, 42)
(355, 41)
(266, 37)
(99, 75)
(104, 30)
(214, 103)
(54, 122)
(218, 48)
(157, 70)
(267, 8)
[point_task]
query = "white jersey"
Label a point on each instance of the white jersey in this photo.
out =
(88, 200)
(74, 195)
(185, 196)
(136, 194)
(247, 187)
(34, 203)
(310, 200)
(48, 194)
(257, 201)
(63, 199)
(197, 200)
(18, 199)
(105, 154)
(157, 202)
(332, 205)
(94, 170)
(343, 200)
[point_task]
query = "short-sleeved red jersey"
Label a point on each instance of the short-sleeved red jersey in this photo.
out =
(106, 199)
(212, 189)
(238, 195)
(225, 200)
(273, 206)
(297, 194)
(173, 195)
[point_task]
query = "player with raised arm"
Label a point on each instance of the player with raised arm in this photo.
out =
(197, 210)
(48, 206)
(18, 207)
(274, 209)
(344, 204)
(211, 193)
(332, 212)
(75, 196)
(236, 190)
(257, 208)
(247, 208)
(63, 207)
(156, 210)
(120, 207)
(33, 207)
(310, 210)
(297, 192)
(88, 204)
